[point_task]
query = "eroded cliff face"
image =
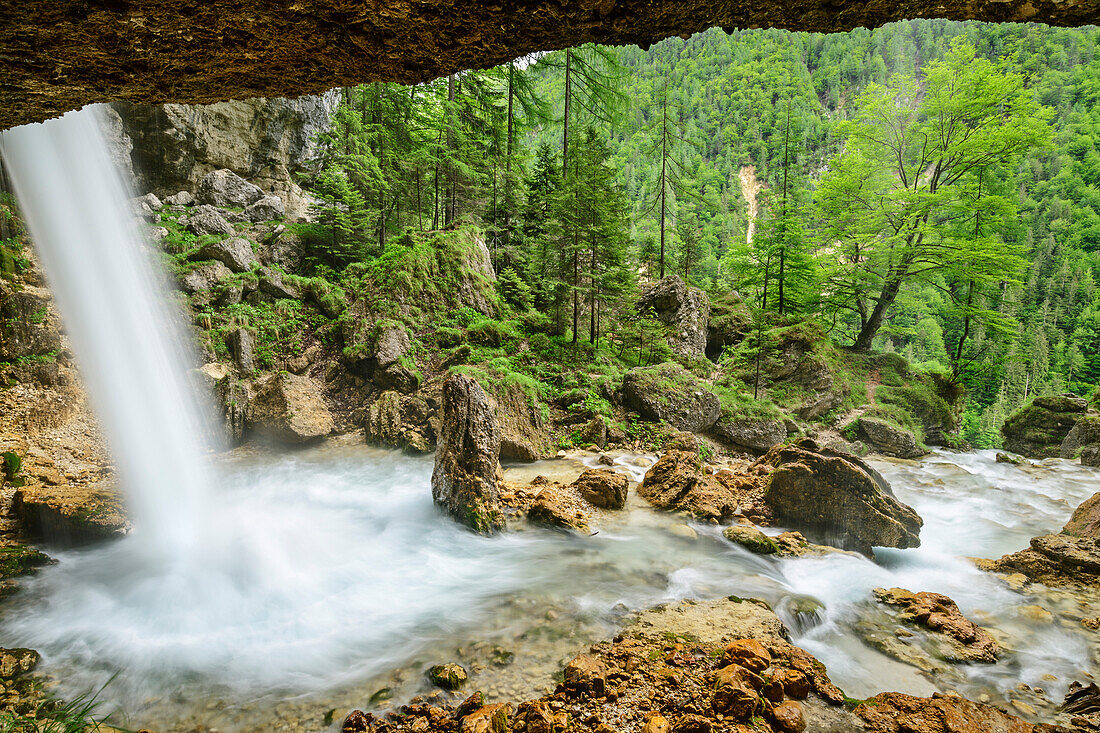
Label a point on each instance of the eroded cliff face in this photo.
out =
(170, 148)
(63, 55)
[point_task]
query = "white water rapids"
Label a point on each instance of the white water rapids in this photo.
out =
(264, 593)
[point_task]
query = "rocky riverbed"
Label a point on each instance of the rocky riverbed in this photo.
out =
(342, 585)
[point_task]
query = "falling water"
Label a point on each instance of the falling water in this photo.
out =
(132, 350)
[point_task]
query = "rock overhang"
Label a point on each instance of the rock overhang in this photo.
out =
(62, 55)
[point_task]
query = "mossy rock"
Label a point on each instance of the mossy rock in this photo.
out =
(752, 539)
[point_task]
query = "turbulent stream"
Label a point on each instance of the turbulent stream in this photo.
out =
(331, 577)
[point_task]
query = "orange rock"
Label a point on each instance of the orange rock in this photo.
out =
(586, 673)
(748, 653)
(735, 693)
(487, 719)
(787, 718)
(655, 723)
(795, 684)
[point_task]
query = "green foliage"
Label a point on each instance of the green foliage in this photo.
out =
(11, 468)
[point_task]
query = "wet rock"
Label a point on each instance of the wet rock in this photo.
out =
(469, 705)
(751, 435)
(267, 208)
(289, 408)
(670, 393)
(836, 499)
(1083, 700)
(487, 719)
(464, 481)
(602, 488)
(787, 718)
(235, 253)
(357, 722)
(208, 219)
(586, 673)
(889, 440)
(401, 421)
(1009, 459)
(448, 676)
(225, 189)
(751, 538)
(965, 641)
(554, 506)
(1038, 430)
(15, 662)
(735, 694)
(684, 310)
(230, 398)
(893, 712)
(1085, 521)
(748, 653)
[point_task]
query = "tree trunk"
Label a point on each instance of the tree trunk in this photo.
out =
(565, 117)
(874, 321)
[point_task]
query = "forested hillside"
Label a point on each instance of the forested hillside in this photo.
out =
(927, 188)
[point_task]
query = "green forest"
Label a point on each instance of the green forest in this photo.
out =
(928, 188)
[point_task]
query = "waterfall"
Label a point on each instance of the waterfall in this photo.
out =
(132, 350)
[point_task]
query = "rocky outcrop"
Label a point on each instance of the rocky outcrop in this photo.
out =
(524, 433)
(1038, 430)
(267, 142)
(889, 440)
(960, 639)
(672, 394)
(894, 712)
(784, 544)
(1083, 441)
(464, 482)
(401, 421)
(836, 499)
(1053, 559)
(1085, 521)
(289, 408)
(378, 352)
(750, 435)
(145, 51)
(684, 310)
(27, 325)
(225, 189)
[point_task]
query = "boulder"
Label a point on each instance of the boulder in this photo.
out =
(960, 639)
(230, 399)
(205, 277)
(235, 253)
(208, 220)
(271, 283)
(401, 421)
(670, 393)
(555, 506)
(586, 673)
(679, 481)
(603, 488)
(283, 248)
(685, 310)
(1085, 433)
(889, 440)
(836, 499)
(267, 208)
(1038, 430)
(225, 189)
(464, 482)
(751, 435)
(182, 198)
(448, 676)
(1085, 521)
(289, 408)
